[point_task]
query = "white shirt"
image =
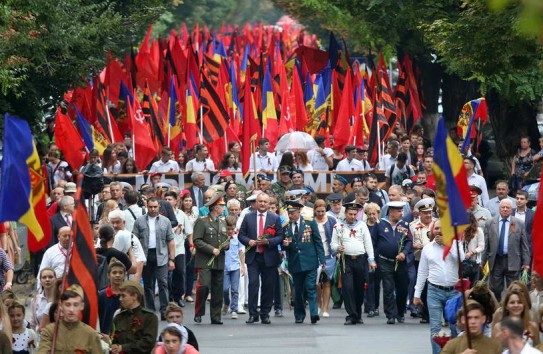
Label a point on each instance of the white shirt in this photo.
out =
(305, 168)
(264, 162)
(479, 181)
(161, 166)
(129, 218)
(183, 229)
(353, 165)
(318, 161)
(355, 238)
(387, 161)
(54, 257)
(437, 271)
(494, 205)
(528, 349)
(124, 240)
(152, 231)
(200, 166)
(506, 236)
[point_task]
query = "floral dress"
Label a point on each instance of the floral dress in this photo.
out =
(523, 164)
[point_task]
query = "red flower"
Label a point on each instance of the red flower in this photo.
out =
(270, 230)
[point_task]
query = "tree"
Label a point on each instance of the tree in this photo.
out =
(48, 46)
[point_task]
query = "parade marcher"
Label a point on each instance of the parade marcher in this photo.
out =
(198, 188)
(262, 231)
(524, 214)
(42, 301)
(234, 269)
(399, 171)
(284, 183)
(395, 194)
(473, 242)
(481, 214)
(339, 185)
(373, 294)
(57, 255)
(321, 157)
(24, 339)
(264, 183)
(352, 240)
(337, 211)
(506, 248)
(72, 335)
(133, 210)
(441, 274)
(512, 337)
(479, 342)
(502, 192)
(350, 163)
(297, 178)
(391, 158)
(265, 161)
(135, 327)
(305, 253)
(63, 218)
(174, 341)
(201, 162)
(393, 242)
(377, 195)
(211, 240)
(430, 181)
(109, 297)
(165, 164)
(156, 236)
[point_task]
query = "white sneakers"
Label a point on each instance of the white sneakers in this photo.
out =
(325, 314)
(234, 315)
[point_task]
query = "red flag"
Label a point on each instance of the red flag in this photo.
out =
(83, 263)
(297, 108)
(69, 141)
(537, 232)
(315, 59)
(251, 128)
(144, 148)
(286, 121)
(342, 128)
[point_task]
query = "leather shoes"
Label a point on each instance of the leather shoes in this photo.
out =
(198, 319)
(401, 319)
(298, 321)
(219, 322)
(252, 319)
(336, 306)
(371, 314)
(315, 319)
(181, 303)
(349, 323)
(391, 321)
(278, 313)
(376, 313)
(360, 321)
(265, 320)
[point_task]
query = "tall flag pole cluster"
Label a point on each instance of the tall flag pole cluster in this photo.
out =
(199, 86)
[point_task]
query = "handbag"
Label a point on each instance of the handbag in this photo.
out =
(469, 268)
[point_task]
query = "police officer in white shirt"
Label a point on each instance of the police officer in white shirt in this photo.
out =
(165, 165)
(200, 163)
(265, 161)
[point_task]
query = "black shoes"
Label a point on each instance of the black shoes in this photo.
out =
(391, 321)
(360, 321)
(278, 313)
(376, 313)
(337, 306)
(198, 319)
(265, 320)
(401, 319)
(181, 303)
(219, 322)
(298, 321)
(252, 319)
(371, 314)
(315, 319)
(349, 322)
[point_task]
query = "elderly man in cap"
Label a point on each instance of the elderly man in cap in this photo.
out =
(352, 240)
(420, 229)
(339, 185)
(264, 183)
(337, 211)
(284, 183)
(350, 163)
(135, 328)
(481, 214)
(211, 240)
(393, 242)
(305, 252)
(300, 196)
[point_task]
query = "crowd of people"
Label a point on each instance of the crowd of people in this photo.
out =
(253, 251)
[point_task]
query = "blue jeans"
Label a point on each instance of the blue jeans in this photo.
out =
(436, 303)
(230, 287)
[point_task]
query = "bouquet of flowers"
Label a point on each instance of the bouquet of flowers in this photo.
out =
(269, 232)
(441, 338)
(221, 247)
(404, 234)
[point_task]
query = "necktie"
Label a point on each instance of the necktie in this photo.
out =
(295, 229)
(68, 221)
(501, 246)
(200, 198)
(260, 249)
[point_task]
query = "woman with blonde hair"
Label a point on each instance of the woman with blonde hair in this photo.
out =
(109, 206)
(42, 301)
(514, 305)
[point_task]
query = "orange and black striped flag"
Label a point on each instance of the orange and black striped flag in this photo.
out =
(215, 115)
(150, 112)
(83, 264)
(213, 66)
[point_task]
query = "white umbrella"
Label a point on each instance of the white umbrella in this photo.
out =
(296, 141)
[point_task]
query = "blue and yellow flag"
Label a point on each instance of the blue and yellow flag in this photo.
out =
(22, 188)
(453, 195)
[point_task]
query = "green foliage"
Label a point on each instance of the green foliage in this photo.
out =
(478, 44)
(48, 46)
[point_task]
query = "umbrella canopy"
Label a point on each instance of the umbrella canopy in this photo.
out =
(296, 141)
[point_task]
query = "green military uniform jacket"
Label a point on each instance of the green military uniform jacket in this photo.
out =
(135, 330)
(481, 343)
(72, 337)
(306, 251)
(207, 235)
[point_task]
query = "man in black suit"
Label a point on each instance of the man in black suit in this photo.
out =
(198, 188)
(63, 218)
(262, 232)
(524, 214)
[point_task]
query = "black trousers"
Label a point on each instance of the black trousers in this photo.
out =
(209, 281)
(265, 278)
(499, 273)
(177, 278)
(354, 279)
(373, 293)
(395, 283)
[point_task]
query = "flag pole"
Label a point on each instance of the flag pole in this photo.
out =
(253, 149)
(108, 116)
(201, 124)
(378, 143)
(462, 287)
(169, 127)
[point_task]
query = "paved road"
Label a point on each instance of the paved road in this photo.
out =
(283, 336)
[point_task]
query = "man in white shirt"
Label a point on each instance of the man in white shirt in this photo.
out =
(321, 157)
(133, 210)
(502, 192)
(476, 180)
(58, 255)
(511, 335)
(390, 158)
(349, 163)
(441, 274)
(200, 162)
(165, 165)
(362, 156)
(265, 161)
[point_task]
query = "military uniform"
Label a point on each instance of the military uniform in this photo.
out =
(420, 234)
(482, 215)
(207, 235)
(135, 330)
(304, 254)
(71, 337)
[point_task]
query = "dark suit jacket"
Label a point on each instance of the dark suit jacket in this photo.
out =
(517, 245)
(528, 224)
(191, 190)
(305, 252)
(57, 221)
(249, 231)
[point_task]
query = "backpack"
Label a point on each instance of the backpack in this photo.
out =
(102, 280)
(451, 306)
(403, 175)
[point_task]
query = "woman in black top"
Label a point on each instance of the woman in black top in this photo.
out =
(107, 236)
